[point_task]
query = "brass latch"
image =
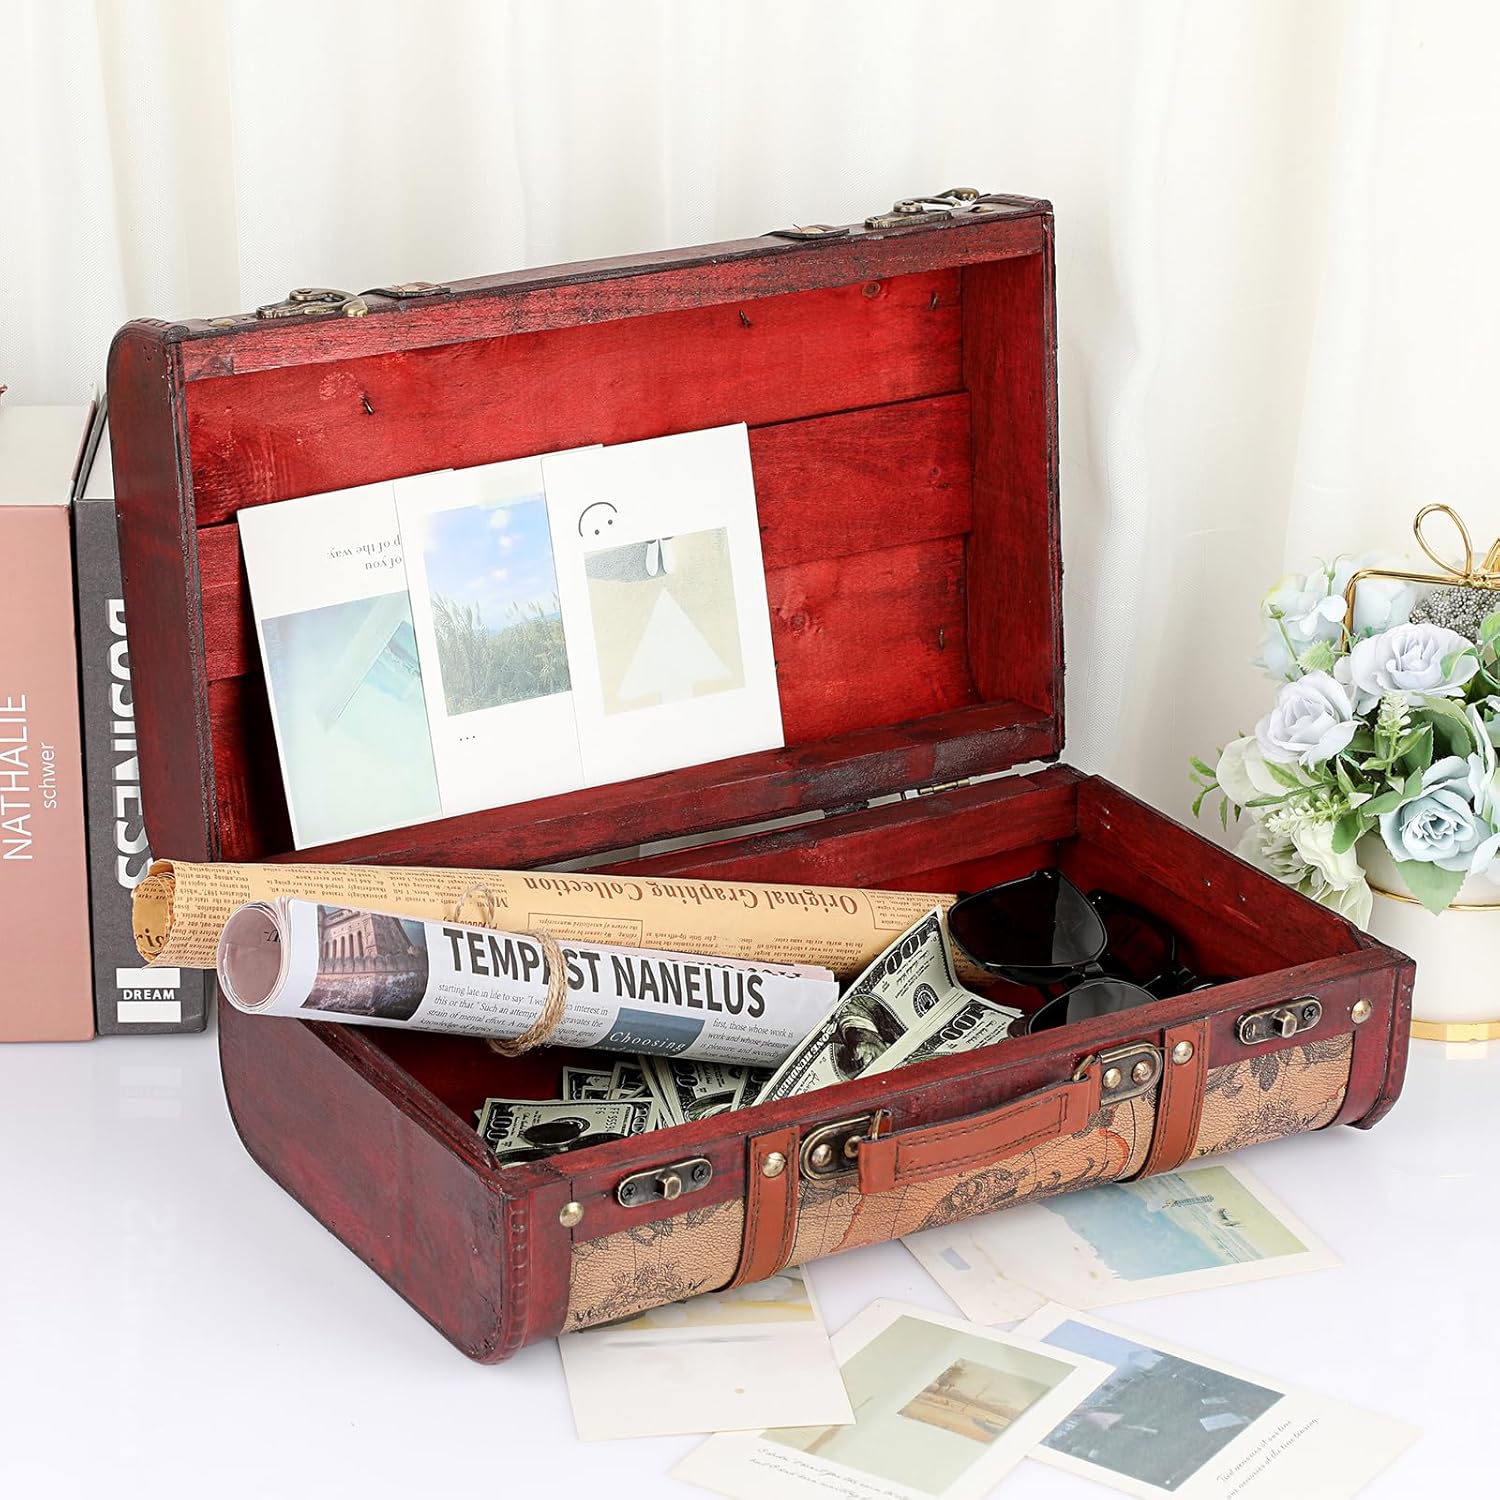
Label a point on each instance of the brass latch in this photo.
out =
(664, 1184)
(315, 302)
(1287, 1020)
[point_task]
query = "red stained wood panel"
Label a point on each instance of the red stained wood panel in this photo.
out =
(1015, 551)
(830, 487)
(599, 291)
(304, 428)
(870, 642)
(825, 773)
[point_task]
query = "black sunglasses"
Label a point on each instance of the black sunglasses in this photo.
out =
(1107, 953)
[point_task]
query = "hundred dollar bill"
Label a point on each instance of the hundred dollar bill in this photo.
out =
(585, 1083)
(520, 1130)
(976, 1023)
(908, 992)
(692, 1090)
(627, 1081)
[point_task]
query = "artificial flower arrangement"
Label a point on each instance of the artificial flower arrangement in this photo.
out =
(1381, 742)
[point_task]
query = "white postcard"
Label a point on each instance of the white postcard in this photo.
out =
(489, 625)
(663, 592)
(1198, 1227)
(943, 1410)
(1168, 1421)
(334, 622)
(752, 1357)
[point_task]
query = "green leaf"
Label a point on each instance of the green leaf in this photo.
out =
(1345, 780)
(1201, 767)
(1384, 803)
(1348, 831)
(1198, 801)
(1432, 885)
(1285, 777)
(1489, 629)
(1415, 750)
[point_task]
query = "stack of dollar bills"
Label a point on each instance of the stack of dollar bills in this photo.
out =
(906, 1007)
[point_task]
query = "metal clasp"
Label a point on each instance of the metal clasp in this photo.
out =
(404, 291)
(663, 1184)
(1124, 1072)
(315, 302)
(809, 232)
(1286, 1020)
(832, 1150)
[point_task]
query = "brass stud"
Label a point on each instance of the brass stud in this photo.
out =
(1143, 1071)
(1113, 1078)
(774, 1165)
(1361, 1011)
(821, 1156)
(571, 1215)
(1182, 1052)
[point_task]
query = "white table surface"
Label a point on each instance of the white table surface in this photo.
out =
(172, 1324)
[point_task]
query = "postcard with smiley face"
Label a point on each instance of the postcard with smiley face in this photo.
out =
(663, 592)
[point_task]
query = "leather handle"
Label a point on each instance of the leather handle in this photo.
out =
(926, 1151)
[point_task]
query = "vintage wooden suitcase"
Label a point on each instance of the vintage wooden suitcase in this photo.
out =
(899, 382)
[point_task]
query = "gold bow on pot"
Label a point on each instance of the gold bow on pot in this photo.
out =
(1462, 574)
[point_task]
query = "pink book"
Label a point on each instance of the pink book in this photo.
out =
(46, 977)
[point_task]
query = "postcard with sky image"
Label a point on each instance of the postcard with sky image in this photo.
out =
(663, 590)
(490, 634)
(334, 623)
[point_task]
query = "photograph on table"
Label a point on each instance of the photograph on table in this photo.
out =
(942, 1408)
(343, 675)
(1199, 1227)
(488, 616)
(1167, 1420)
(663, 592)
(722, 1362)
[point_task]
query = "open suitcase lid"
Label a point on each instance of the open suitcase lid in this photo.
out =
(899, 382)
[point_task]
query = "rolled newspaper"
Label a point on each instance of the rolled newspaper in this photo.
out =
(336, 963)
(180, 909)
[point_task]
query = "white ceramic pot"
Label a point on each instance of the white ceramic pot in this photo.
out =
(1457, 998)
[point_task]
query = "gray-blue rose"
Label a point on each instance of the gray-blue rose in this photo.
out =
(1439, 826)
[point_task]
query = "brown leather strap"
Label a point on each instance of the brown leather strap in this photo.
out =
(937, 1150)
(770, 1207)
(1179, 1106)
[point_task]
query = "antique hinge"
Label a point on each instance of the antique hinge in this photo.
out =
(940, 786)
(960, 205)
(301, 302)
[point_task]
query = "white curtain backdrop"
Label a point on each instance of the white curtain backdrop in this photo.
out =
(1277, 224)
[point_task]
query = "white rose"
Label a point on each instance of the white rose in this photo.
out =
(1268, 845)
(1312, 721)
(1243, 775)
(1302, 610)
(1313, 840)
(1411, 660)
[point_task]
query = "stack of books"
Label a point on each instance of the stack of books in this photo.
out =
(72, 833)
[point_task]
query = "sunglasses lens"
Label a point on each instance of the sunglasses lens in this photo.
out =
(1138, 944)
(1042, 922)
(1093, 998)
